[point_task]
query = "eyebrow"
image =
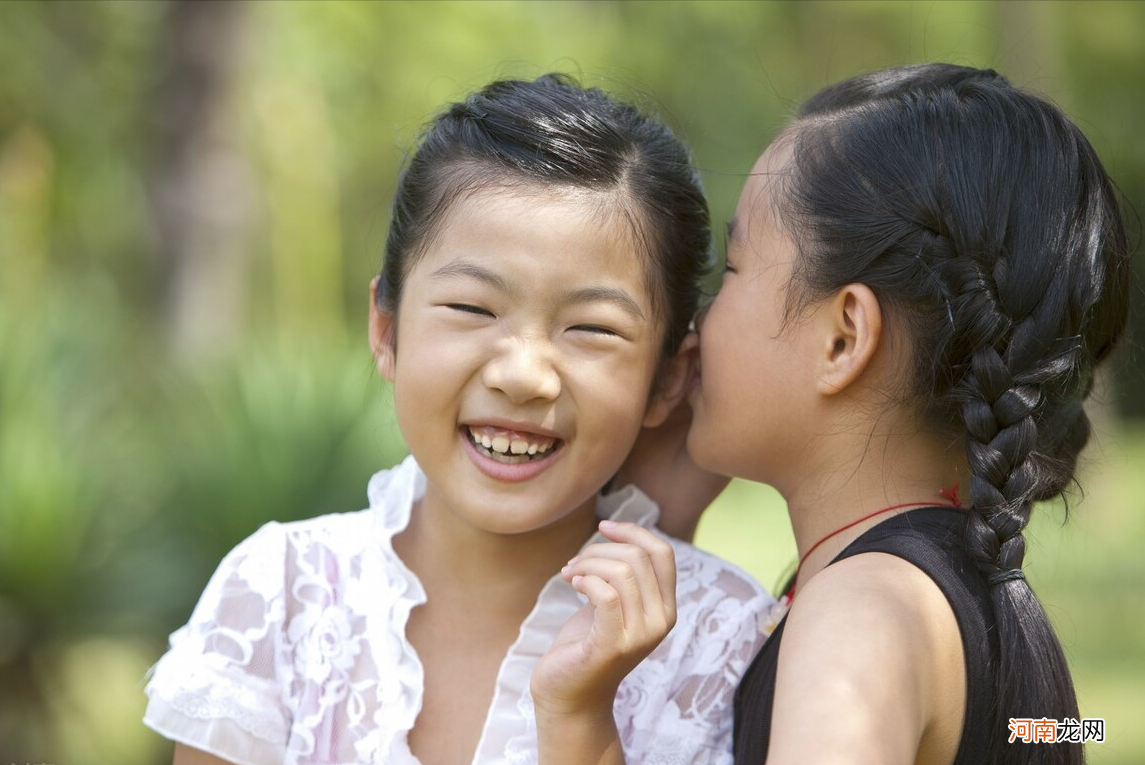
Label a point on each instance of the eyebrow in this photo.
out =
(464, 268)
(612, 295)
(467, 269)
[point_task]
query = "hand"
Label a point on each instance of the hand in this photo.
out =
(660, 466)
(630, 584)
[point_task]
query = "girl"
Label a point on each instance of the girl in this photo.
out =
(930, 264)
(540, 273)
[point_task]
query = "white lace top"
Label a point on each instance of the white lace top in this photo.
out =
(296, 652)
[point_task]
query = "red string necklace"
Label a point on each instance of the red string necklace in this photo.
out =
(950, 492)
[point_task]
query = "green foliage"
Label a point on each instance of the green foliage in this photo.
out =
(277, 436)
(124, 479)
(65, 449)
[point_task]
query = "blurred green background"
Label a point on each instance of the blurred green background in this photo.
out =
(194, 195)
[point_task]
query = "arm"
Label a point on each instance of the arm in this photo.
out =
(631, 590)
(221, 667)
(870, 669)
(578, 739)
(185, 755)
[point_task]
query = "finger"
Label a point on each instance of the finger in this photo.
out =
(607, 617)
(660, 554)
(619, 629)
(637, 615)
(630, 570)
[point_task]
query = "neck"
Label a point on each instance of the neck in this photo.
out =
(845, 500)
(500, 570)
(951, 499)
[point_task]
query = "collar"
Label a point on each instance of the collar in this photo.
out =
(392, 494)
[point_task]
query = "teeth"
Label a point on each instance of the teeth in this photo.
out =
(513, 449)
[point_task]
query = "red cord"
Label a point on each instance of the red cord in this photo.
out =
(950, 492)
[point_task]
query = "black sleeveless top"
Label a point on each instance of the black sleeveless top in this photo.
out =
(931, 539)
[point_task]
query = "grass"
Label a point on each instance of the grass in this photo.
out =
(1087, 567)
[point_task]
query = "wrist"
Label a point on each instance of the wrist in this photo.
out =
(585, 735)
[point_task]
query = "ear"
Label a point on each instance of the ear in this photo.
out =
(381, 334)
(672, 382)
(853, 322)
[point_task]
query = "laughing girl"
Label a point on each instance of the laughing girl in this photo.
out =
(540, 273)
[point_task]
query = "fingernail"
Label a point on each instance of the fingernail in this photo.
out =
(607, 524)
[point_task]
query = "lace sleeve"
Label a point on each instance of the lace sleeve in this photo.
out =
(219, 686)
(677, 707)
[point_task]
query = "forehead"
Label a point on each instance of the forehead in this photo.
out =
(762, 189)
(538, 228)
(554, 223)
(542, 213)
(517, 195)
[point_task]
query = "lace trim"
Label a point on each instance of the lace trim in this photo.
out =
(300, 641)
(223, 699)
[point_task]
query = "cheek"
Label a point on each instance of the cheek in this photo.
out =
(736, 391)
(724, 349)
(741, 352)
(427, 379)
(621, 390)
(612, 399)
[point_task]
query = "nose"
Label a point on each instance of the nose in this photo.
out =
(523, 370)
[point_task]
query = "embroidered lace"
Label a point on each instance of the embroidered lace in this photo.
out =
(296, 652)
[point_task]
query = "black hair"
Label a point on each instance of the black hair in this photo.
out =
(553, 133)
(983, 221)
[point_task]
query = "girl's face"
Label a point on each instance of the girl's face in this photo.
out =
(526, 351)
(752, 406)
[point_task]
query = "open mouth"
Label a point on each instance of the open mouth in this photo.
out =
(511, 447)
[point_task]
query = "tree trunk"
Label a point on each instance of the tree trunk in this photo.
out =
(200, 185)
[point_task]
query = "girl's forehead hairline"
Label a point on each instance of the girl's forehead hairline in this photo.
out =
(612, 201)
(512, 185)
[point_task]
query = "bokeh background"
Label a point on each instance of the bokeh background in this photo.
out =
(194, 195)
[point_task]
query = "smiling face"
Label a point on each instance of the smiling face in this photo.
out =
(526, 349)
(753, 403)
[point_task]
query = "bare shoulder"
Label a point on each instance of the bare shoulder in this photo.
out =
(883, 593)
(870, 668)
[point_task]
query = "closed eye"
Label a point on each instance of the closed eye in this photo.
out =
(466, 308)
(596, 330)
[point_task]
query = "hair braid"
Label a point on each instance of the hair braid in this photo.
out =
(985, 224)
(1001, 434)
(1024, 428)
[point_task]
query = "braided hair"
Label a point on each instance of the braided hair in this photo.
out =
(985, 224)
